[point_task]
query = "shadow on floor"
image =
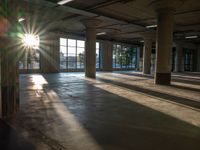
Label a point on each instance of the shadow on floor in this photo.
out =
(185, 88)
(117, 123)
(136, 74)
(174, 79)
(10, 139)
(180, 79)
(173, 98)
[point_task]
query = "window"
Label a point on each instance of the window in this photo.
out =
(30, 60)
(124, 56)
(116, 56)
(80, 54)
(188, 60)
(63, 53)
(97, 55)
(72, 54)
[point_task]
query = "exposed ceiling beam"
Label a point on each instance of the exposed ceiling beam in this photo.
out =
(83, 12)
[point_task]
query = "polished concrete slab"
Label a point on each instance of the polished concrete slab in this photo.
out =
(11, 140)
(116, 111)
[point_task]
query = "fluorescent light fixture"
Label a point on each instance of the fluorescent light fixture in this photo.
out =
(101, 33)
(191, 37)
(62, 2)
(152, 26)
(21, 19)
(142, 41)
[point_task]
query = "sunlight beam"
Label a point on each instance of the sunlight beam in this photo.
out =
(175, 110)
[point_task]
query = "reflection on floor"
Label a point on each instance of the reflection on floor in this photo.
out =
(117, 111)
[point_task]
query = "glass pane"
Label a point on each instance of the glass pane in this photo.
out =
(63, 49)
(72, 50)
(97, 57)
(35, 65)
(118, 46)
(72, 65)
(97, 45)
(80, 43)
(80, 57)
(71, 58)
(97, 51)
(71, 42)
(21, 65)
(80, 51)
(80, 65)
(63, 65)
(63, 56)
(97, 64)
(118, 65)
(37, 55)
(63, 42)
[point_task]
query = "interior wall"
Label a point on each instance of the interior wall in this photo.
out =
(50, 54)
(107, 55)
(195, 52)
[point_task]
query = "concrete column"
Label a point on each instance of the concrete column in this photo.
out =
(107, 55)
(164, 42)
(141, 59)
(90, 47)
(179, 59)
(164, 38)
(138, 59)
(49, 50)
(147, 56)
(9, 98)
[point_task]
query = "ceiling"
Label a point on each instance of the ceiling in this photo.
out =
(122, 20)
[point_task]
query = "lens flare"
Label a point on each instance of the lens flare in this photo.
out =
(31, 41)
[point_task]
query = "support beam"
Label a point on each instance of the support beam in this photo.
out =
(50, 54)
(9, 98)
(164, 46)
(179, 59)
(90, 47)
(147, 56)
(107, 55)
(165, 10)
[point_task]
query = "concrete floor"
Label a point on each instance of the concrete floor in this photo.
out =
(117, 111)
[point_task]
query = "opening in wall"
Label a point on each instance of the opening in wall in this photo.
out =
(188, 60)
(30, 60)
(125, 57)
(72, 54)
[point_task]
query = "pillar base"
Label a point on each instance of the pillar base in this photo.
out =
(8, 101)
(163, 78)
(90, 76)
(147, 72)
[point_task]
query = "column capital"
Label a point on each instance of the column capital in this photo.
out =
(163, 6)
(91, 23)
